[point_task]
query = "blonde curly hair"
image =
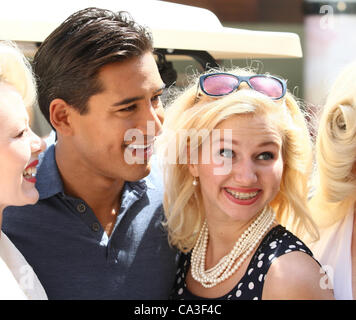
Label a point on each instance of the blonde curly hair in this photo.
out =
(15, 70)
(183, 203)
(335, 181)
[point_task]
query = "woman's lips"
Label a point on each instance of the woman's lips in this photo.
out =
(34, 163)
(243, 190)
(30, 177)
(242, 196)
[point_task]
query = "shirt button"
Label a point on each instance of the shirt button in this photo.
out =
(81, 208)
(95, 227)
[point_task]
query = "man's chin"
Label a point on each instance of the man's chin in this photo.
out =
(139, 172)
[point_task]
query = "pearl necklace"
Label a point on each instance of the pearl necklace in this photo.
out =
(228, 264)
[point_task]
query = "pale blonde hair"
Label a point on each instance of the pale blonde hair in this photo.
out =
(16, 71)
(335, 182)
(183, 203)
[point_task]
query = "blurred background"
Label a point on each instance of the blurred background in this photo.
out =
(325, 30)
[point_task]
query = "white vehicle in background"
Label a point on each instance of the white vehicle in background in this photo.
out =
(180, 32)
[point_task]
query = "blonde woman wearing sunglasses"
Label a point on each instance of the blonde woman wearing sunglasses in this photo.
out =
(237, 157)
(333, 205)
(19, 150)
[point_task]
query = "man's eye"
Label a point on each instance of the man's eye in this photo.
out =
(156, 99)
(130, 108)
(265, 156)
(226, 153)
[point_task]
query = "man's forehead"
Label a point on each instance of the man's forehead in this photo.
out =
(131, 77)
(132, 99)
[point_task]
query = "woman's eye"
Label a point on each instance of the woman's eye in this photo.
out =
(21, 133)
(226, 153)
(265, 156)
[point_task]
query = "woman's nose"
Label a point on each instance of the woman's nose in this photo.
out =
(245, 173)
(38, 145)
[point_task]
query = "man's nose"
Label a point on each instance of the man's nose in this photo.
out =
(151, 123)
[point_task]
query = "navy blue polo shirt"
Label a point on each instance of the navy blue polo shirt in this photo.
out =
(72, 255)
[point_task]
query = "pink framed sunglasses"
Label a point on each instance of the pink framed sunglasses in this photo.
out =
(221, 84)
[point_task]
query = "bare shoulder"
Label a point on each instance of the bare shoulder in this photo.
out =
(295, 276)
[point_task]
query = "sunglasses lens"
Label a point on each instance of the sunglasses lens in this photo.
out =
(221, 84)
(268, 86)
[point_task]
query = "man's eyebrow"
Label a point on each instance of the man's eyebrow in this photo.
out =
(133, 99)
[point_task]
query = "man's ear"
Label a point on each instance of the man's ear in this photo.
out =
(60, 116)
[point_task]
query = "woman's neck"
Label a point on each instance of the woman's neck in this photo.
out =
(222, 238)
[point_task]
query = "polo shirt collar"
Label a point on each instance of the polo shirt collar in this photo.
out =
(48, 179)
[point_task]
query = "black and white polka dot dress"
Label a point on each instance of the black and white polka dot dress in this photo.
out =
(277, 242)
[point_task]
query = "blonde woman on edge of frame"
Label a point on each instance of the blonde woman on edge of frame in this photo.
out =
(237, 156)
(333, 203)
(19, 150)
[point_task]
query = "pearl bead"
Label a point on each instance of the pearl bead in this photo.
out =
(229, 263)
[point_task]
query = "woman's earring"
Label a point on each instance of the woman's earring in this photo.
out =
(195, 181)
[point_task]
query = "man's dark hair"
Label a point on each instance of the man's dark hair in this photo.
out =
(67, 63)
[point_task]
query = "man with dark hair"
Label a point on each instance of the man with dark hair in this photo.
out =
(96, 232)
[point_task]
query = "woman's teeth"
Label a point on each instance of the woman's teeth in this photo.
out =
(242, 195)
(30, 172)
